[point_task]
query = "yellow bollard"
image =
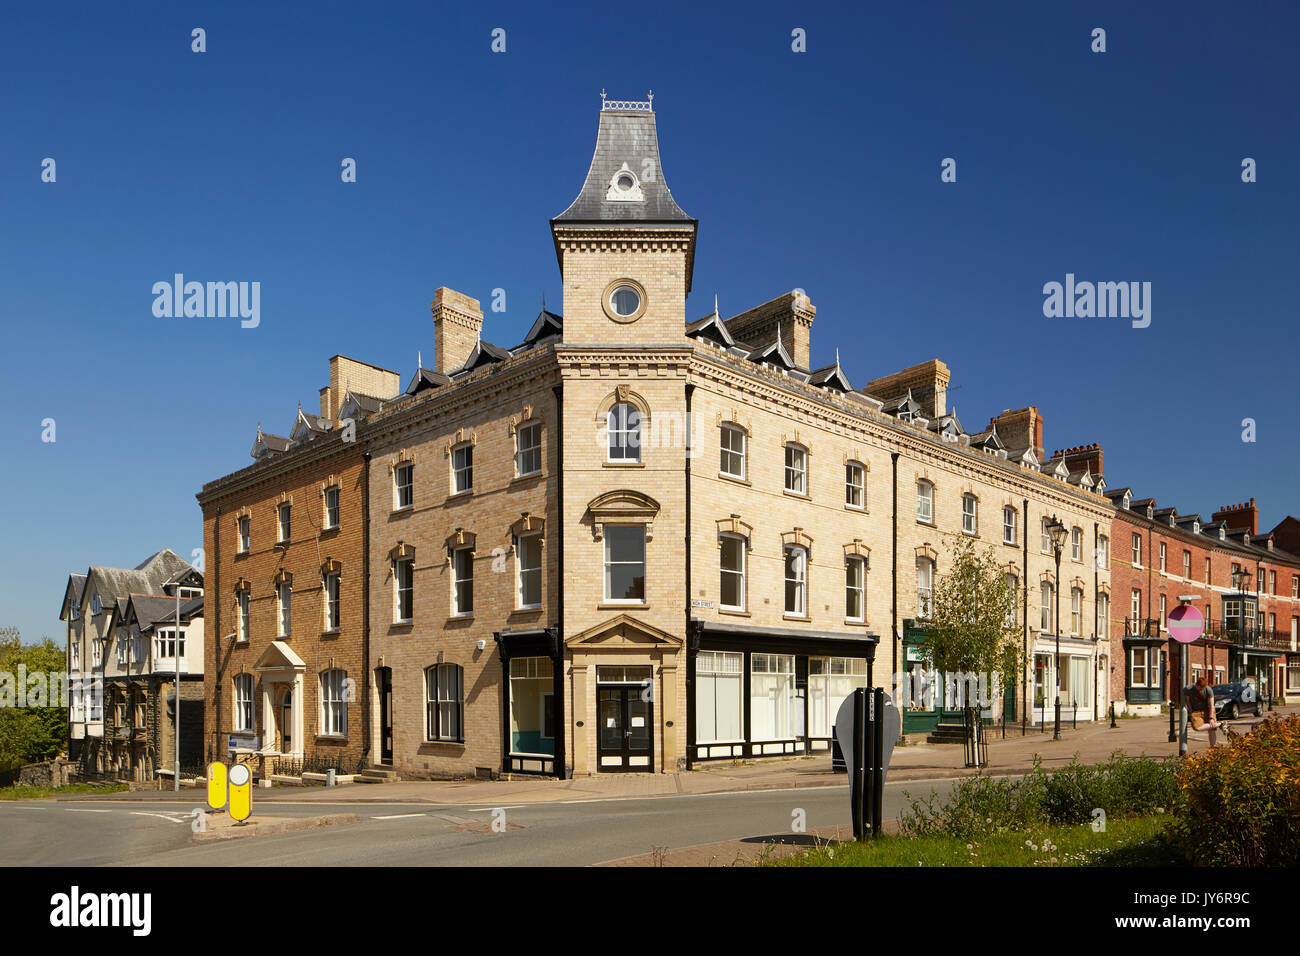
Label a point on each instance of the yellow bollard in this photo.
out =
(241, 792)
(216, 785)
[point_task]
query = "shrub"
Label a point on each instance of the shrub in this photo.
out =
(1242, 802)
(1124, 786)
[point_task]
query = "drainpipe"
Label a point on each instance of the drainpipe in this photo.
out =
(216, 635)
(558, 440)
(1024, 668)
(1095, 635)
(690, 658)
(365, 599)
(893, 552)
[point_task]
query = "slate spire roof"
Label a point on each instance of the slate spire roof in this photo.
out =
(626, 137)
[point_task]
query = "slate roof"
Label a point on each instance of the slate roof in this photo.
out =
(114, 584)
(629, 137)
(546, 324)
(426, 378)
(77, 586)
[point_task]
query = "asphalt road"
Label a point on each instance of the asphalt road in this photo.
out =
(567, 833)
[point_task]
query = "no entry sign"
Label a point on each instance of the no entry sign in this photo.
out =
(1186, 623)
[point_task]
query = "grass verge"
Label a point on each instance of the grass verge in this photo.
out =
(18, 792)
(1136, 841)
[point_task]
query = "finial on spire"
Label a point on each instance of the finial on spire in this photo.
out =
(652, 97)
(715, 305)
(837, 356)
(419, 360)
(543, 300)
(602, 94)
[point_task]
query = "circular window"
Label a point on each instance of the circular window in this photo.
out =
(625, 182)
(625, 301)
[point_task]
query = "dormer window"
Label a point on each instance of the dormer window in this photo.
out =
(624, 187)
(96, 607)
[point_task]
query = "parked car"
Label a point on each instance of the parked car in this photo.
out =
(1232, 700)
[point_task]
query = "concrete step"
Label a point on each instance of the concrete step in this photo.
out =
(375, 775)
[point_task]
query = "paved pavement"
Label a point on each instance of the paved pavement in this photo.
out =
(1090, 743)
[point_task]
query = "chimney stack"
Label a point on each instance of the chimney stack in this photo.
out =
(1023, 428)
(457, 324)
(794, 312)
(360, 377)
(1080, 457)
(1237, 517)
(928, 382)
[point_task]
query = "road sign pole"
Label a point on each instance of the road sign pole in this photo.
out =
(878, 761)
(859, 760)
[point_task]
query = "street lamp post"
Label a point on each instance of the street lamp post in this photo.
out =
(1239, 575)
(1056, 528)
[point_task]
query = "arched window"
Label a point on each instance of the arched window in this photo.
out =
(624, 422)
(445, 700)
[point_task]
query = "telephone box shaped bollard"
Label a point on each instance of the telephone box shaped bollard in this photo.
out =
(866, 729)
(241, 792)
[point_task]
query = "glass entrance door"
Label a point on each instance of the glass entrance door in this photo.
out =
(385, 675)
(625, 740)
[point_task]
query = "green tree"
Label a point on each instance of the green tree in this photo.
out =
(972, 625)
(31, 734)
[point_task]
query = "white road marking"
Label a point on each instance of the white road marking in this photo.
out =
(517, 806)
(77, 810)
(163, 816)
(398, 816)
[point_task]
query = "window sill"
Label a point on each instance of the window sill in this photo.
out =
(737, 479)
(804, 496)
(460, 618)
(403, 509)
(622, 605)
(734, 612)
(1010, 544)
(925, 523)
(857, 508)
(623, 464)
(331, 738)
(434, 745)
(796, 617)
(330, 632)
(282, 545)
(467, 493)
(332, 529)
(403, 625)
(970, 534)
(848, 623)
(528, 477)
(530, 609)
(243, 554)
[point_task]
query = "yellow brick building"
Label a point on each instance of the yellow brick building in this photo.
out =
(633, 542)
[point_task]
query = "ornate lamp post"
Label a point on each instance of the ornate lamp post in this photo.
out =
(1057, 530)
(1239, 576)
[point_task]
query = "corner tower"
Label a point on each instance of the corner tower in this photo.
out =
(626, 249)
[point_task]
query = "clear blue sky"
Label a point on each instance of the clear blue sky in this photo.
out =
(817, 170)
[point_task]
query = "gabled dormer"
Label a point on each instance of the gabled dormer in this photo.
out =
(832, 377)
(773, 354)
(547, 325)
(988, 441)
(308, 427)
(712, 329)
(484, 353)
(905, 407)
(356, 406)
(425, 379)
(268, 444)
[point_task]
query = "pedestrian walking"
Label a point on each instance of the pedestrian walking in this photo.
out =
(1200, 706)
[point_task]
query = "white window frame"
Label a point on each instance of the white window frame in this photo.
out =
(245, 526)
(244, 616)
(334, 703)
(283, 523)
(439, 700)
(1136, 550)
(1008, 525)
(970, 514)
(522, 569)
(284, 609)
(924, 588)
(609, 563)
(729, 454)
(924, 501)
(1046, 595)
(462, 469)
(794, 563)
(403, 567)
(462, 582)
(331, 511)
(333, 587)
(243, 714)
(742, 548)
(1076, 544)
(855, 486)
(405, 470)
(796, 469)
(1076, 611)
(623, 425)
(531, 449)
(859, 589)
(1164, 557)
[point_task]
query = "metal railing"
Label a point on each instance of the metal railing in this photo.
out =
(1216, 629)
(316, 763)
